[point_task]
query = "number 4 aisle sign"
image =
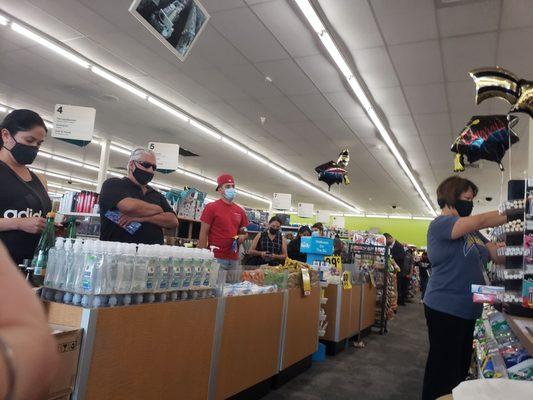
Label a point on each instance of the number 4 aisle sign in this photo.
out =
(73, 122)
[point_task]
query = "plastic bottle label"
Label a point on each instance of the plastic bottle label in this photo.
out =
(176, 277)
(86, 280)
(150, 278)
(187, 279)
(164, 278)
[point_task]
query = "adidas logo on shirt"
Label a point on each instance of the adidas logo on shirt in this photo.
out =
(28, 212)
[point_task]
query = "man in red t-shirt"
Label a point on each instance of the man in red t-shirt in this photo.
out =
(224, 225)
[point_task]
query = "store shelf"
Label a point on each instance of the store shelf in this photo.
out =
(290, 227)
(523, 329)
(76, 214)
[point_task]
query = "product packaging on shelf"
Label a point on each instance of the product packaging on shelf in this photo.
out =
(94, 273)
(78, 202)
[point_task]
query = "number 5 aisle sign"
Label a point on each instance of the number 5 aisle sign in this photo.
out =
(166, 154)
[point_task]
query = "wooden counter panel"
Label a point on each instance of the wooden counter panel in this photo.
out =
(63, 314)
(355, 310)
(153, 351)
(369, 315)
(249, 346)
(330, 308)
(301, 332)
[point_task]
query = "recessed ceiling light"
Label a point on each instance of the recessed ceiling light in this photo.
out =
(268, 79)
(263, 120)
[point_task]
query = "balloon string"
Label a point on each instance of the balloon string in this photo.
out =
(510, 155)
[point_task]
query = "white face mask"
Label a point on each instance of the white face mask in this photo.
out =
(229, 194)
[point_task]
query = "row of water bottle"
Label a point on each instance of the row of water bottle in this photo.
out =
(94, 273)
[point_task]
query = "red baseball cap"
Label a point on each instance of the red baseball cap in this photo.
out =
(223, 179)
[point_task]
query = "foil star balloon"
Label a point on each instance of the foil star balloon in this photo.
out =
(525, 101)
(485, 137)
(335, 172)
(495, 82)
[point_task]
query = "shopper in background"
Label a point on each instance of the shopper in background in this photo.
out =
(398, 255)
(269, 246)
(224, 225)
(338, 245)
(24, 201)
(406, 274)
(28, 355)
(137, 202)
(317, 229)
(457, 252)
(293, 248)
(424, 267)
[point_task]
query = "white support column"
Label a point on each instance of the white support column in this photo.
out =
(104, 163)
(530, 150)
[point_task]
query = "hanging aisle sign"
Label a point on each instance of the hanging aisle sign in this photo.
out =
(338, 222)
(73, 123)
(305, 210)
(323, 216)
(281, 201)
(166, 155)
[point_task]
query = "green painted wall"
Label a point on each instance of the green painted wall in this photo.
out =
(405, 230)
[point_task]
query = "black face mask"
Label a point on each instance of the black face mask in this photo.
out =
(464, 207)
(273, 231)
(141, 176)
(23, 153)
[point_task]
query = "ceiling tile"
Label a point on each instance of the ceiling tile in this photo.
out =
(512, 53)
(516, 14)
(315, 106)
(433, 124)
(250, 80)
(406, 21)
(336, 129)
(402, 126)
(469, 18)
(462, 54)
(248, 34)
(216, 49)
(321, 71)
(426, 99)
(291, 30)
(283, 110)
(353, 22)
(288, 77)
(214, 6)
(217, 83)
(345, 104)
(375, 67)
(391, 100)
(418, 63)
(362, 127)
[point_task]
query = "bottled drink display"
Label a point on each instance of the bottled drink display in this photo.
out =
(40, 258)
(94, 273)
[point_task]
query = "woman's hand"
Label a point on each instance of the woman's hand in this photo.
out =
(31, 224)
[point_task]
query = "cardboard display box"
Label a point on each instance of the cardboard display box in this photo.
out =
(68, 344)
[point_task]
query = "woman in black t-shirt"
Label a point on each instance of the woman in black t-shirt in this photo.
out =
(24, 200)
(269, 247)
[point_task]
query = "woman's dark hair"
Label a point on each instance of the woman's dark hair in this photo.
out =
(303, 229)
(452, 188)
(318, 226)
(275, 218)
(21, 120)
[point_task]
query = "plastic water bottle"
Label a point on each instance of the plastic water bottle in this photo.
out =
(89, 272)
(74, 261)
(110, 272)
(51, 267)
(60, 275)
(139, 273)
(152, 270)
(126, 266)
(164, 273)
(176, 279)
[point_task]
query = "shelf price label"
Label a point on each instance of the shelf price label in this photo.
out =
(334, 261)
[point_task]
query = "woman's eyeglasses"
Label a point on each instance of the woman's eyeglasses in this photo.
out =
(147, 165)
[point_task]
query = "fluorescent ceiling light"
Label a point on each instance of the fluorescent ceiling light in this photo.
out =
(168, 109)
(205, 129)
(116, 174)
(91, 167)
(3, 109)
(258, 158)
(3, 20)
(313, 18)
(253, 196)
(192, 175)
(395, 216)
(163, 187)
(277, 168)
(235, 145)
(44, 154)
(119, 82)
(48, 44)
(423, 218)
(376, 216)
(67, 161)
(120, 149)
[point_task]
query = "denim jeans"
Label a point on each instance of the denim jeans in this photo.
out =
(233, 269)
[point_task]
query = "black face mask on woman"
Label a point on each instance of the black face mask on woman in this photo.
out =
(23, 153)
(464, 207)
(141, 176)
(273, 231)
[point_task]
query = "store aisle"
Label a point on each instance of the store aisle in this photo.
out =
(390, 367)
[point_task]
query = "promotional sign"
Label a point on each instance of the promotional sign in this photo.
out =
(338, 222)
(316, 245)
(166, 155)
(334, 261)
(305, 210)
(323, 216)
(73, 122)
(281, 201)
(346, 280)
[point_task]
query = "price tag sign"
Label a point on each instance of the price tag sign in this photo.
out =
(323, 216)
(334, 261)
(166, 155)
(73, 122)
(281, 201)
(305, 210)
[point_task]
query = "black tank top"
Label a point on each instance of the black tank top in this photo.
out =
(19, 199)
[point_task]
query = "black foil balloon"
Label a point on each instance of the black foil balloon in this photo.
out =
(335, 171)
(485, 137)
